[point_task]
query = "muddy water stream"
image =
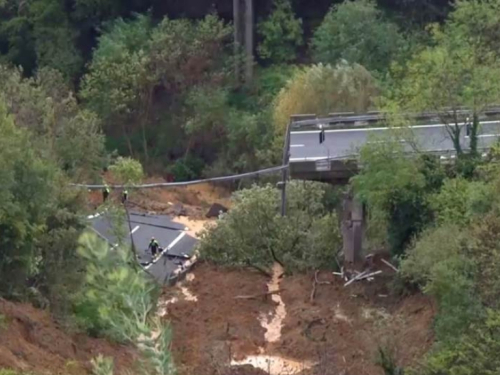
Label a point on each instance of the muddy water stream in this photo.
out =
(273, 323)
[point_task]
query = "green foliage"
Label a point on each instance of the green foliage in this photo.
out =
(137, 65)
(64, 132)
(127, 171)
(395, 188)
(3, 321)
(118, 301)
(39, 34)
(460, 200)
(475, 352)
(254, 233)
(485, 251)
(439, 262)
(281, 34)
(28, 183)
(358, 32)
(458, 69)
(321, 89)
(116, 297)
(102, 365)
(385, 359)
(187, 169)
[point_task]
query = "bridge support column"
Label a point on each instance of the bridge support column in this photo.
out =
(352, 229)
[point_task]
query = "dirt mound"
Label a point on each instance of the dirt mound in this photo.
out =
(31, 341)
(349, 324)
(209, 332)
(341, 330)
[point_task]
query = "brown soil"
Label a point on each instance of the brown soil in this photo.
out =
(196, 199)
(30, 341)
(347, 325)
(343, 327)
(208, 332)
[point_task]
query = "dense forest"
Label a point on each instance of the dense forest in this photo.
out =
(159, 76)
(185, 88)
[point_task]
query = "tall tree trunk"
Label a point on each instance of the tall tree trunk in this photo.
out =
(473, 134)
(238, 42)
(249, 40)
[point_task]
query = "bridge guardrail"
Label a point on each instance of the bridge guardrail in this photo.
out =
(342, 119)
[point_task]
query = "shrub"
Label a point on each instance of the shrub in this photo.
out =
(254, 233)
(118, 300)
(116, 297)
(321, 89)
(438, 262)
(475, 352)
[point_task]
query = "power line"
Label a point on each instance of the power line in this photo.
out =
(187, 183)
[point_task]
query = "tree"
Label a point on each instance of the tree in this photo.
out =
(396, 187)
(358, 32)
(254, 233)
(127, 171)
(460, 69)
(281, 34)
(28, 184)
(118, 301)
(136, 65)
(321, 89)
(46, 107)
(40, 34)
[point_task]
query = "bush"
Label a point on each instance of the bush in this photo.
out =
(395, 188)
(438, 262)
(253, 233)
(281, 34)
(118, 300)
(475, 352)
(187, 169)
(460, 200)
(116, 297)
(321, 89)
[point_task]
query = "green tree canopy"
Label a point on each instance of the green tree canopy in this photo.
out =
(461, 68)
(321, 89)
(281, 34)
(357, 31)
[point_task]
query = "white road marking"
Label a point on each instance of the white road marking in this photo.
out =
(135, 229)
(485, 135)
(376, 142)
(172, 244)
(383, 128)
(296, 145)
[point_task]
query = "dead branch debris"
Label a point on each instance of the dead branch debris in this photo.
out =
(315, 283)
(389, 265)
(358, 276)
(260, 295)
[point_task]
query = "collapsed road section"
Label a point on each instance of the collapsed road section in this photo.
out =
(177, 247)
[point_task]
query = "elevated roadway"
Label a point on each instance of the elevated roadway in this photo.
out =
(334, 158)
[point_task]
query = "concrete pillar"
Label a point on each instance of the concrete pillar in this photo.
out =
(352, 229)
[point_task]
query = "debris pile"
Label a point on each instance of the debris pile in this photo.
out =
(368, 274)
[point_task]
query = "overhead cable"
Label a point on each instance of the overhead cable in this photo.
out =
(187, 183)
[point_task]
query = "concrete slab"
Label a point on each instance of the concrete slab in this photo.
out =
(144, 227)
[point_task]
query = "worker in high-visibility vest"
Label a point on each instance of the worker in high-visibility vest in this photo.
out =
(124, 196)
(105, 192)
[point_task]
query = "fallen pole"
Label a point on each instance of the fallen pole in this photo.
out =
(389, 265)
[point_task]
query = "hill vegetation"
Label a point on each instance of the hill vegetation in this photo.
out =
(122, 86)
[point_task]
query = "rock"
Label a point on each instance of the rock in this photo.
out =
(179, 210)
(215, 210)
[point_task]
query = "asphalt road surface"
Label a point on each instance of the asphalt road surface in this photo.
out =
(171, 236)
(339, 143)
